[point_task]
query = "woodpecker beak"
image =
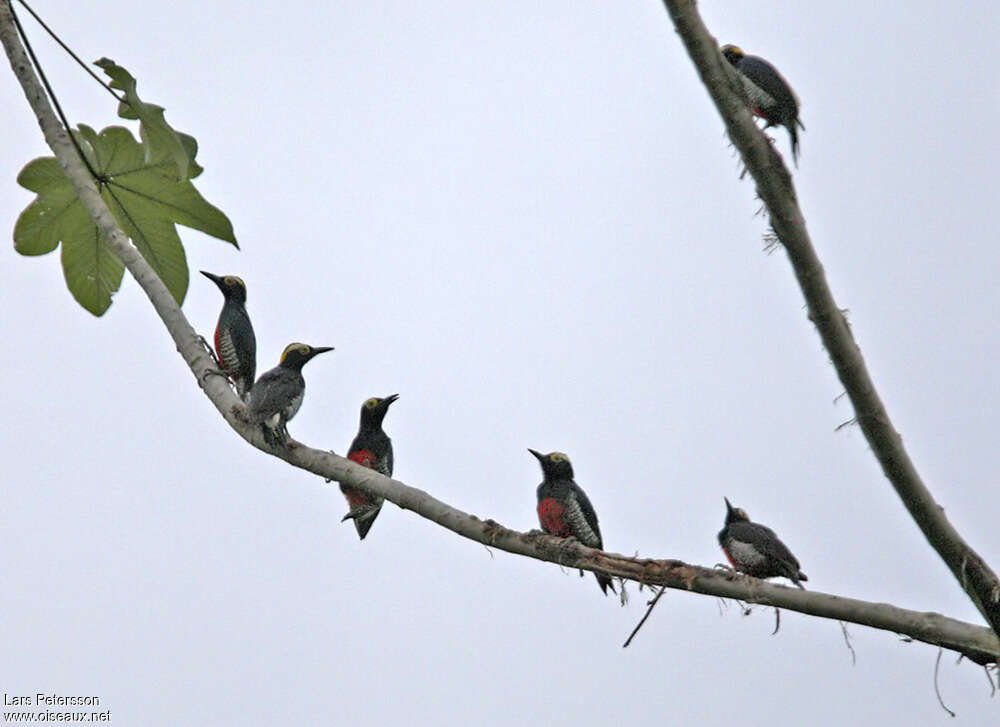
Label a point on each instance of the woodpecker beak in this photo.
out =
(729, 507)
(214, 278)
(317, 350)
(389, 399)
(538, 455)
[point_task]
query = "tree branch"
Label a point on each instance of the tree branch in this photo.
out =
(977, 643)
(775, 188)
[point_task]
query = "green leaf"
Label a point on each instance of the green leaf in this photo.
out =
(147, 200)
(93, 272)
(160, 140)
(40, 227)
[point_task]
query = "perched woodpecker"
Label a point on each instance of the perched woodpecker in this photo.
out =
(563, 507)
(771, 98)
(235, 344)
(754, 549)
(371, 448)
(278, 393)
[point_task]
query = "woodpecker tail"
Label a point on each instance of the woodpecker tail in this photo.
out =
(605, 583)
(364, 518)
(800, 576)
(275, 436)
(793, 132)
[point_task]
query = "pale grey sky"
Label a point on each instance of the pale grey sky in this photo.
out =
(525, 218)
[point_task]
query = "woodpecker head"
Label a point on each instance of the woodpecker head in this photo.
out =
(735, 514)
(555, 465)
(374, 409)
(297, 355)
(733, 53)
(232, 287)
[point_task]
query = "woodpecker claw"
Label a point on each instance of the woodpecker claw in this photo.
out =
(211, 351)
(492, 528)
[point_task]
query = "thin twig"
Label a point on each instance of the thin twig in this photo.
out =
(847, 640)
(652, 604)
(72, 55)
(989, 678)
(937, 665)
(50, 92)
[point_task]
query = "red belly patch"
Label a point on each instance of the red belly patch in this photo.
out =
(551, 514)
(729, 557)
(355, 498)
(218, 349)
(363, 457)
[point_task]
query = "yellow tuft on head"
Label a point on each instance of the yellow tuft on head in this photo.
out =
(299, 347)
(233, 280)
(371, 403)
(558, 457)
(732, 53)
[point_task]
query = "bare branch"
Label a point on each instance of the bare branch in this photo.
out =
(775, 188)
(977, 643)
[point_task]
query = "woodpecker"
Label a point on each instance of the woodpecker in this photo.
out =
(563, 507)
(754, 549)
(235, 344)
(278, 393)
(371, 448)
(771, 98)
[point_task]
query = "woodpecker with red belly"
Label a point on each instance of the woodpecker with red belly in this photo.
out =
(754, 549)
(278, 393)
(235, 344)
(371, 448)
(771, 98)
(564, 509)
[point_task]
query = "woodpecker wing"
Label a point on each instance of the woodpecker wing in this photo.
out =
(276, 392)
(582, 519)
(768, 90)
(244, 343)
(757, 545)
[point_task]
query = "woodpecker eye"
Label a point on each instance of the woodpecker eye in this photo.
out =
(371, 403)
